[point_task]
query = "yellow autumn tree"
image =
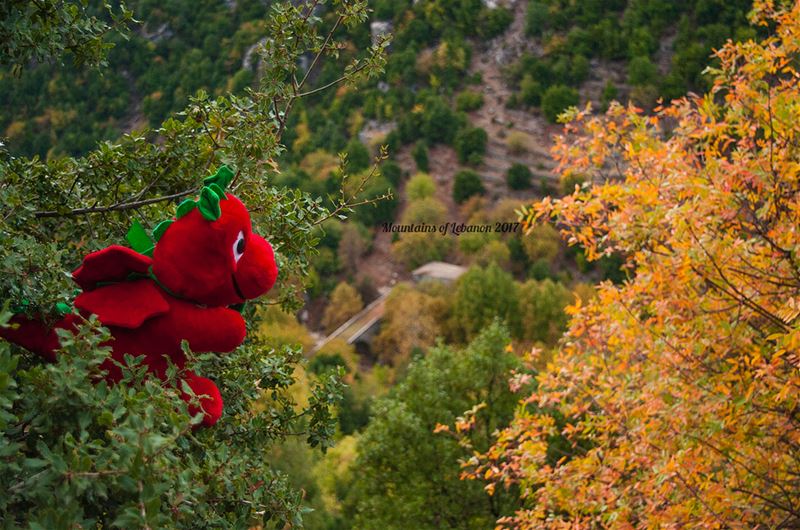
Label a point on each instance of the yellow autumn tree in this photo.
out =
(677, 392)
(344, 303)
(409, 322)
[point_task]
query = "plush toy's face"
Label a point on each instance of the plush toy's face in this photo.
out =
(215, 262)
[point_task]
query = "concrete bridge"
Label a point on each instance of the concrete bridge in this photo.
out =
(360, 329)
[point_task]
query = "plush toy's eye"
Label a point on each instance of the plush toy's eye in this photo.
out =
(238, 247)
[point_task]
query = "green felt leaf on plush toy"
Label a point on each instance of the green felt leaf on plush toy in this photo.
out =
(185, 207)
(221, 178)
(209, 204)
(160, 228)
(215, 187)
(139, 240)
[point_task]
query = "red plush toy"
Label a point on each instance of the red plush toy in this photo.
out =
(182, 288)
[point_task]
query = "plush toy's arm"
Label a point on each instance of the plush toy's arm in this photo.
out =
(214, 329)
(112, 264)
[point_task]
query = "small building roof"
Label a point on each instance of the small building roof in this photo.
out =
(439, 270)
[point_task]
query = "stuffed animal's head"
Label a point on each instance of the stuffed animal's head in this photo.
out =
(209, 253)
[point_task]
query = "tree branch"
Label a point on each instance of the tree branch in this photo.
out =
(115, 207)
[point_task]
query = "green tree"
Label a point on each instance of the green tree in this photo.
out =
(556, 99)
(642, 71)
(425, 210)
(420, 186)
(609, 94)
(530, 90)
(483, 295)
(470, 145)
(466, 183)
(382, 201)
(393, 172)
(415, 249)
(469, 100)
(542, 243)
(541, 306)
(518, 177)
(357, 156)
(407, 475)
(440, 123)
(420, 155)
(345, 302)
(535, 18)
(495, 22)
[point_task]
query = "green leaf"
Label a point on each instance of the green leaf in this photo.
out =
(139, 240)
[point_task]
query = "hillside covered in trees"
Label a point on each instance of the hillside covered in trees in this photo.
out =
(536, 261)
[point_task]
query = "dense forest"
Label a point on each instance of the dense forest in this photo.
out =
(537, 261)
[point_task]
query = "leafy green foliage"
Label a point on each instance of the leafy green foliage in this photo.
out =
(619, 30)
(408, 475)
(518, 177)
(541, 306)
(126, 455)
(466, 183)
(357, 156)
(469, 100)
(556, 100)
(46, 29)
(495, 21)
(483, 295)
(420, 155)
(420, 186)
(470, 145)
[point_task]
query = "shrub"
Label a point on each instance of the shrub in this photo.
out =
(357, 156)
(535, 18)
(420, 155)
(415, 249)
(556, 99)
(518, 177)
(421, 186)
(439, 121)
(495, 21)
(609, 94)
(427, 210)
(469, 100)
(530, 91)
(470, 145)
(466, 184)
(518, 142)
(642, 71)
(392, 171)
